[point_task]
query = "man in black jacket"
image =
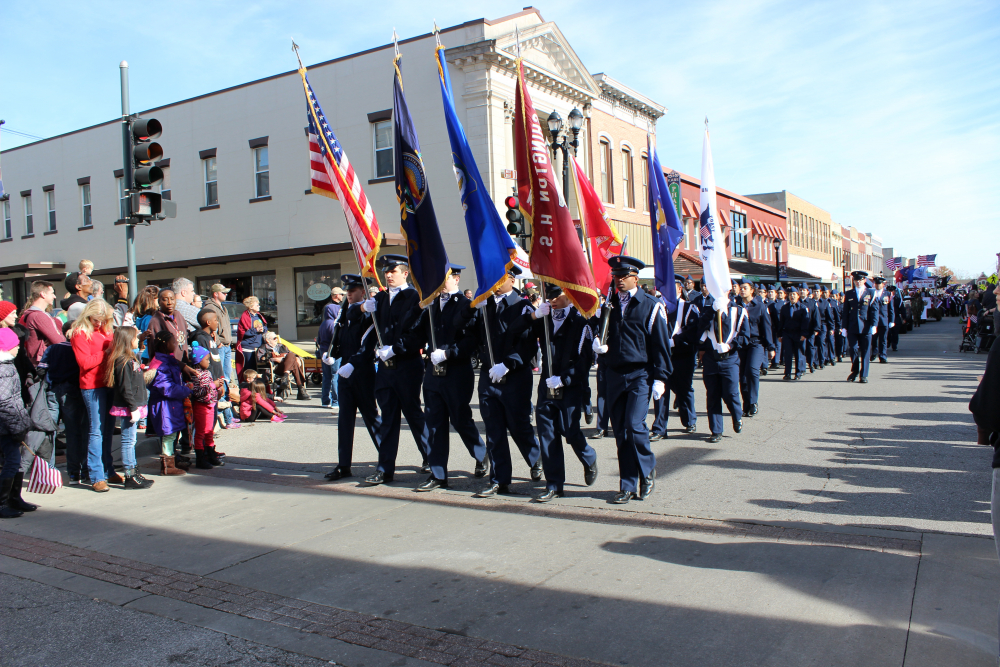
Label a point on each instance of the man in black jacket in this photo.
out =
(400, 368)
(354, 344)
(561, 392)
(794, 329)
(449, 381)
(758, 348)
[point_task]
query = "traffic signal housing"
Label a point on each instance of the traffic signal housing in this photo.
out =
(143, 154)
(515, 220)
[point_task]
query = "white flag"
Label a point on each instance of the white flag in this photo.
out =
(713, 239)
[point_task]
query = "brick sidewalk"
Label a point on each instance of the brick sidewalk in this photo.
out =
(347, 626)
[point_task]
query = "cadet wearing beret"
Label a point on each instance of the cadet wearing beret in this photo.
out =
(682, 327)
(884, 322)
(758, 348)
(400, 368)
(638, 366)
(860, 316)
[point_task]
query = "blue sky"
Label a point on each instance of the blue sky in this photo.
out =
(885, 114)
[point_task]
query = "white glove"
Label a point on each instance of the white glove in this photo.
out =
(843, 332)
(722, 348)
(135, 416)
(892, 324)
(543, 309)
(328, 360)
(498, 372)
(597, 313)
(598, 348)
(553, 382)
(346, 370)
(385, 353)
(438, 357)
(369, 306)
(717, 305)
(482, 304)
(658, 389)
(874, 328)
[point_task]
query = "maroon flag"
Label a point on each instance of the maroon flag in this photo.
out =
(556, 253)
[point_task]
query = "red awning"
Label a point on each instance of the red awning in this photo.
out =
(725, 218)
(690, 209)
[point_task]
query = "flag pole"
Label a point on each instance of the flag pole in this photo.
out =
(718, 312)
(606, 315)
(553, 393)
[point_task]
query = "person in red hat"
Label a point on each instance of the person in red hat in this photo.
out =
(8, 314)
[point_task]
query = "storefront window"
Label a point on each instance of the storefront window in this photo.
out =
(263, 286)
(312, 293)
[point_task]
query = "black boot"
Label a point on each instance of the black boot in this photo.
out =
(6, 511)
(135, 480)
(16, 501)
(201, 460)
(303, 395)
(214, 457)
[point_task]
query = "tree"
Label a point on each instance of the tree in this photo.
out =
(943, 271)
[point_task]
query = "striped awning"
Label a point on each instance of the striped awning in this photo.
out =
(766, 229)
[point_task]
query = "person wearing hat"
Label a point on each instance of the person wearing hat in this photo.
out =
(217, 293)
(689, 291)
(775, 301)
(840, 340)
(601, 380)
(400, 367)
(505, 382)
(682, 327)
(703, 302)
(324, 339)
(758, 348)
(898, 317)
(354, 344)
(794, 330)
(812, 316)
(638, 367)
(832, 325)
(824, 349)
(564, 377)
(885, 320)
(449, 381)
(720, 356)
(14, 422)
(860, 317)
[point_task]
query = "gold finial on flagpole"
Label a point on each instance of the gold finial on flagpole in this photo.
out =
(437, 33)
(295, 47)
(395, 42)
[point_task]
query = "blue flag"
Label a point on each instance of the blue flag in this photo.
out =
(493, 249)
(666, 228)
(429, 266)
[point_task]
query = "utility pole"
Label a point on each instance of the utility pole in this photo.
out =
(127, 177)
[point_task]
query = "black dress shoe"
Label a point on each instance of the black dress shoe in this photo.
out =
(883, 361)
(482, 468)
(338, 473)
(493, 490)
(431, 484)
(691, 429)
(715, 437)
(812, 370)
(536, 471)
(590, 474)
(425, 467)
(833, 363)
(799, 376)
(653, 437)
(738, 425)
(588, 415)
(599, 435)
(623, 497)
(787, 377)
(763, 372)
(863, 381)
(852, 377)
(378, 478)
(548, 495)
(646, 486)
(752, 410)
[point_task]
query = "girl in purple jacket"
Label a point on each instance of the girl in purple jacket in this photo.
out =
(167, 392)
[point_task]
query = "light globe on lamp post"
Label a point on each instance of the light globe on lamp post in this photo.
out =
(555, 123)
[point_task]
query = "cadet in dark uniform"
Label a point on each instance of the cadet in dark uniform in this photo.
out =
(831, 325)
(448, 390)
(638, 366)
(885, 320)
(892, 339)
(505, 388)
(689, 291)
(400, 368)
(354, 343)
(758, 348)
(603, 414)
(774, 310)
(794, 329)
(703, 302)
(859, 324)
(840, 339)
(809, 304)
(557, 417)
(720, 355)
(682, 327)
(821, 297)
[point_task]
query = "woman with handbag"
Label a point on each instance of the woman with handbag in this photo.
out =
(14, 423)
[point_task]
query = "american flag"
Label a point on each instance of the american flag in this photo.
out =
(926, 260)
(335, 178)
(894, 263)
(973, 319)
(705, 232)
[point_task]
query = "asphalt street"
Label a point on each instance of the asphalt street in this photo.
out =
(847, 525)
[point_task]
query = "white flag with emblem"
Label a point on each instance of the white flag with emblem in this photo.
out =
(713, 238)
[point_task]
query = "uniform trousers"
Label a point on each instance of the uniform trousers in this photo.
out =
(449, 397)
(603, 414)
(892, 338)
(751, 357)
(355, 394)
(558, 419)
(859, 346)
(778, 357)
(681, 384)
(628, 395)
(879, 342)
(830, 345)
(397, 391)
(809, 350)
(507, 408)
(722, 384)
(841, 343)
(792, 347)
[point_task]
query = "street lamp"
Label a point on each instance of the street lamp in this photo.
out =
(777, 260)
(843, 270)
(555, 123)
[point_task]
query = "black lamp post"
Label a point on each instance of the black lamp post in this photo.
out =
(555, 123)
(777, 260)
(843, 270)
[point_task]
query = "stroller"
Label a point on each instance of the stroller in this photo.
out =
(970, 331)
(987, 333)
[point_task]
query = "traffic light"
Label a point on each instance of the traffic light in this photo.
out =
(515, 221)
(143, 153)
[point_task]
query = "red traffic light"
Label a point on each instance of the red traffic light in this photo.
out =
(511, 201)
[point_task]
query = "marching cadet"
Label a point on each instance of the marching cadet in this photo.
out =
(561, 394)
(824, 317)
(884, 322)
(897, 322)
(794, 329)
(505, 387)
(449, 381)
(809, 304)
(400, 368)
(758, 348)
(840, 338)
(603, 414)
(860, 316)
(776, 300)
(703, 302)
(721, 360)
(354, 342)
(682, 327)
(831, 325)
(638, 366)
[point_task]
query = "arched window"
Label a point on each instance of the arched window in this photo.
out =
(645, 184)
(627, 178)
(607, 195)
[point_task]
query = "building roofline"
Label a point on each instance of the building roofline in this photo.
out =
(732, 195)
(633, 97)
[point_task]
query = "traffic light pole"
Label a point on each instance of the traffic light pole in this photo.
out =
(127, 180)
